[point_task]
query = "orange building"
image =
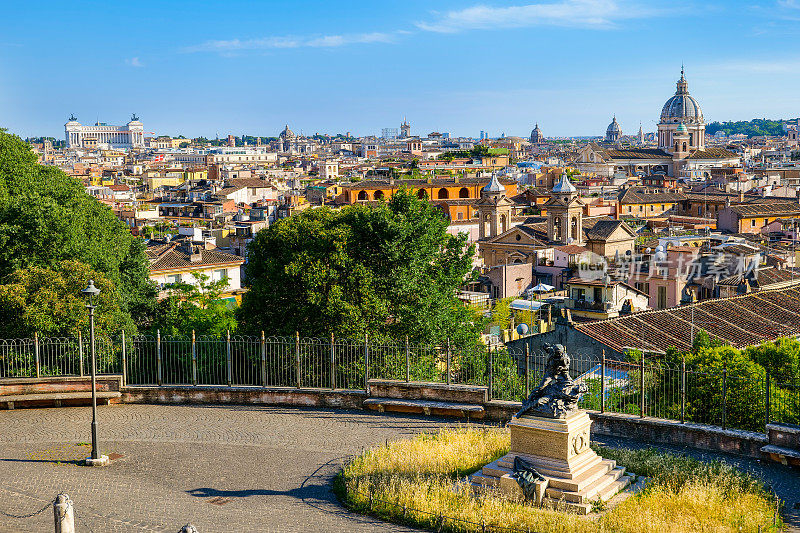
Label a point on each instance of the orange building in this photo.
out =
(456, 197)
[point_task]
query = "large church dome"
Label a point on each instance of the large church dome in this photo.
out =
(614, 127)
(681, 107)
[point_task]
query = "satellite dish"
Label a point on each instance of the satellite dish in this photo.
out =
(522, 329)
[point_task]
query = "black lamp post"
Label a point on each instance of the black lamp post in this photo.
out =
(91, 292)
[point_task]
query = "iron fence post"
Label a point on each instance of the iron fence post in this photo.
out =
(333, 361)
(263, 359)
(80, 351)
(228, 361)
(366, 363)
(36, 354)
(194, 359)
(641, 387)
(527, 370)
(767, 406)
(408, 361)
(449, 356)
(159, 369)
(603, 381)
(124, 360)
(297, 358)
(491, 372)
(724, 398)
(683, 390)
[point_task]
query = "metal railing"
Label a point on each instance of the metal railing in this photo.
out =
(645, 387)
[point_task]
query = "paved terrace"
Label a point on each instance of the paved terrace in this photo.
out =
(225, 468)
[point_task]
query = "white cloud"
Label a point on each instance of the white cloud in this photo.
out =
(134, 62)
(792, 4)
(598, 14)
(269, 43)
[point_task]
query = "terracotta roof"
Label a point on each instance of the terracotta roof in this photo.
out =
(604, 228)
(631, 153)
(740, 321)
(763, 278)
(766, 209)
(714, 153)
(643, 195)
(571, 249)
(174, 257)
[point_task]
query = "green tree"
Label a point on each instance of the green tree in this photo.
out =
(49, 301)
(743, 393)
(388, 271)
(781, 358)
(195, 307)
(501, 314)
(47, 217)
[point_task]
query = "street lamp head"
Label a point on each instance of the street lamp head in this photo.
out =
(90, 291)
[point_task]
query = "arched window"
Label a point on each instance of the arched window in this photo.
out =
(503, 224)
(442, 194)
(557, 229)
(684, 147)
(487, 226)
(463, 193)
(676, 147)
(421, 194)
(363, 195)
(574, 228)
(378, 195)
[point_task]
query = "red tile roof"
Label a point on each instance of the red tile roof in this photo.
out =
(739, 321)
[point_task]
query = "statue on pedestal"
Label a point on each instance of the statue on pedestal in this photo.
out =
(557, 395)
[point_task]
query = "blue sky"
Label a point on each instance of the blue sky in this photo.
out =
(196, 68)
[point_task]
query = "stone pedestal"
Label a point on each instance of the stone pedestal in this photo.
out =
(559, 450)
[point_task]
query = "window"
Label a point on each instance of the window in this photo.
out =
(753, 223)
(578, 294)
(220, 274)
(378, 195)
(460, 216)
(442, 194)
(173, 278)
(463, 193)
(421, 194)
(363, 195)
(662, 297)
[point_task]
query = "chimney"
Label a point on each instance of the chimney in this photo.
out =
(741, 196)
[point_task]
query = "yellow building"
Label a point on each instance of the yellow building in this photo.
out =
(641, 202)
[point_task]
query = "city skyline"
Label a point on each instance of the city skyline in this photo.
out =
(463, 68)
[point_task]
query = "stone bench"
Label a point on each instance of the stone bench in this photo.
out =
(58, 390)
(425, 407)
(58, 398)
(456, 393)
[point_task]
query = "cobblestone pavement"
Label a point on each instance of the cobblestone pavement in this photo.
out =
(225, 469)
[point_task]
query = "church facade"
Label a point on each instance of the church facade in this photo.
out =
(681, 151)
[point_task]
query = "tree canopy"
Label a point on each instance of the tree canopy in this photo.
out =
(47, 217)
(752, 128)
(195, 307)
(387, 271)
(49, 301)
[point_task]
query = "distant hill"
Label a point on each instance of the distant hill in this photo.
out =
(752, 128)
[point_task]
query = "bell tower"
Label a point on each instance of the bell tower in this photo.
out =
(564, 214)
(494, 210)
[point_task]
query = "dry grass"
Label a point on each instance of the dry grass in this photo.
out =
(418, 481)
